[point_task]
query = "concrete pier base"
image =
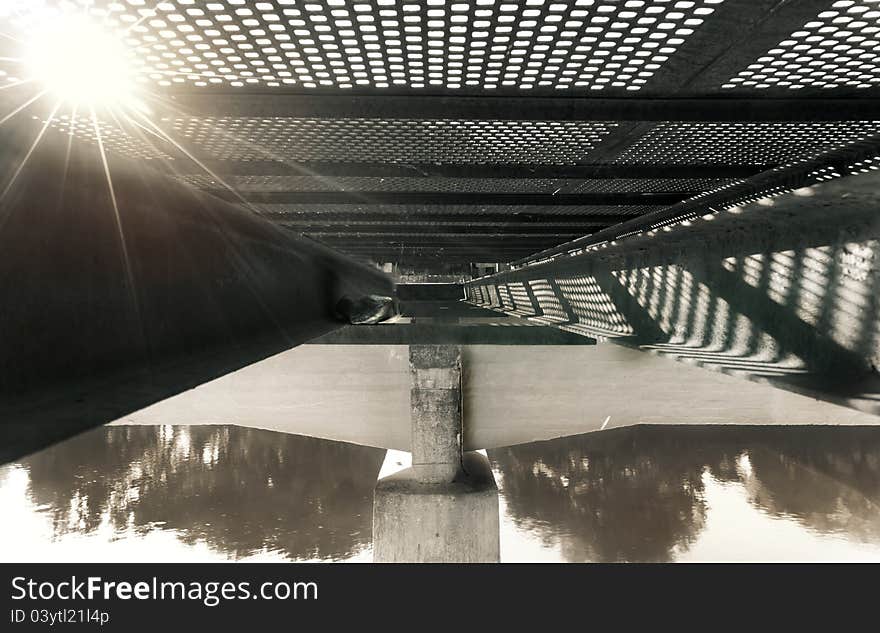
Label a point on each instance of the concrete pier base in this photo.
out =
(445, 508)
(415, 521)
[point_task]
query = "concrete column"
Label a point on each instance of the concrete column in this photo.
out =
(456, 522)
(435, 402)
(444, 508)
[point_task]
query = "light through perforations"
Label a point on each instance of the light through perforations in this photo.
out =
(548, 186)
(414, 210)
(839, 48)
(744, 143)
(114, 139)
(392, 140)
(863, 166)
(643, 185)
(445, 44)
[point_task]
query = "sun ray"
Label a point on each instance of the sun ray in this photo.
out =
(30, 151)
(118, 219)
(22, 107)
(195, 160)
(153, 13)
(327, 180)
(69, 149)
(241, 262)
(5, 216)
(141, 127)
(21, 82)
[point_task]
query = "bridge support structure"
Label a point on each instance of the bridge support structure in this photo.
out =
(445, 507)
(781, 290)
(121, 289)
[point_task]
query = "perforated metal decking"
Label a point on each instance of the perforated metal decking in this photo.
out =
(484, 130)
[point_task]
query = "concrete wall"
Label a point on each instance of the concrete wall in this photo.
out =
(784, 290)
(512, 395)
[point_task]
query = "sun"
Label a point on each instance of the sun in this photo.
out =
(80, 61)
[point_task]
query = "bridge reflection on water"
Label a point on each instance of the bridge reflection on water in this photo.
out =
(641, 494)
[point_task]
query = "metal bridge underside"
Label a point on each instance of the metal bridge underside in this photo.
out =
(458, 132)
(281, 139)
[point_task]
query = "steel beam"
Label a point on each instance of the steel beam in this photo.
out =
(435, 252)
(488, 235)
(799, 175)
(323, 169)
(405, 216)
(443, 198)
(278, 103)
(425, 228)
(454, 239)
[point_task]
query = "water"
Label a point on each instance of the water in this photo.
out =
(694, 494)
(213, 493)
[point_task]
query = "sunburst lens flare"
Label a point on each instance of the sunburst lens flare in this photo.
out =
(81, 62)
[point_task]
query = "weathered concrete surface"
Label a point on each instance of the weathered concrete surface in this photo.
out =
(455, 522)
(116, 297)
(782, 290)
(360, 394)
(435, 407)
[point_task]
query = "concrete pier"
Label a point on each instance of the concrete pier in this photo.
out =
(421, 522)
(445, 507)
(435, 403)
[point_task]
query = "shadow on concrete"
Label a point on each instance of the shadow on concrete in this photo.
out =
(786, 295)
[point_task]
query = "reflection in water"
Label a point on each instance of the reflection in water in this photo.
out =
(658, 493)
(240, 492)
(640, 494)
